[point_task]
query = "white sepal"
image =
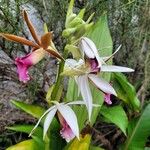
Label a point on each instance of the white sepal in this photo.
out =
(102, 84)
(112, 68)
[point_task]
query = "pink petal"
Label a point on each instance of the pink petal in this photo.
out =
(66, 131)
(107, 98)
(22, 68)
(24, 63)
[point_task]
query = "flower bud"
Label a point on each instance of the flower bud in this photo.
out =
(67, 32)
(76, 21)
(69, 19)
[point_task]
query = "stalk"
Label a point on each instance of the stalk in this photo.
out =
(59, 77)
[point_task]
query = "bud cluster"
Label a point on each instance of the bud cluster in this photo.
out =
(75, 26)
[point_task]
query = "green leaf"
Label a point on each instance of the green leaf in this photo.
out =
(82, 144)
(25, 145)
(125, 91)
(116, 115)
(37, 135)
(27, 129)
(139, 131)
(95, 148)
(34, 110)
(100, 34)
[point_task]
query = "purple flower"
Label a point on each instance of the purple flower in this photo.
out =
(87, 70)
(24, 63)
(66, 132)
(39, 47)
(107, 98)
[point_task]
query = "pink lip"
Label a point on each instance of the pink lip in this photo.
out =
(23, 64)
(66, 131)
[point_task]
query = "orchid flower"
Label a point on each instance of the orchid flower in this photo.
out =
(39, 48)
(66, 131)
(67, 117)
(88, 68)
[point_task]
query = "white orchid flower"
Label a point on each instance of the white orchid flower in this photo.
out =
(92, 64)
(67, 117)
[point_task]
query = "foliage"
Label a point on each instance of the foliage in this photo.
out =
(90, 45)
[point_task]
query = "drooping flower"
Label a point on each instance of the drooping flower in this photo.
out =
(66, 131)
(67, 118)
(69, 121)
(39, 49)
(24, 63)
(92, 64)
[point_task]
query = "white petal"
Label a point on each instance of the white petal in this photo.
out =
(77, 79)
(48, 121)
(102, 84)
(71, 62)
(91, 47)
(51, 108)
(76, 103)
(85, 92)
(70, 117)
(86, 46)
(111, 68)
(81, 103)
(109, 57)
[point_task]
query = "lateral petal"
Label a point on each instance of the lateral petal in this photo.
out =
(70, 117)
(51, 108)
(19, 39)
(109, 57)
(48, 121)
(102, 84)
(54, 53)
(112, 68)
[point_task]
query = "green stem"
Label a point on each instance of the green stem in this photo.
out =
(59, 77)
(47, 143)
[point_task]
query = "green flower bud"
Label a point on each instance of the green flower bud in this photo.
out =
(76, 21)
(67, 32)
(69, 19)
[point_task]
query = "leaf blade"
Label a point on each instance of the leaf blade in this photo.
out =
(120, 119)
(139, 134)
